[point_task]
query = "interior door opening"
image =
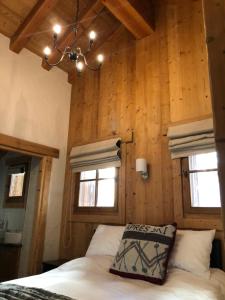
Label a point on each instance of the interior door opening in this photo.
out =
(18, 195)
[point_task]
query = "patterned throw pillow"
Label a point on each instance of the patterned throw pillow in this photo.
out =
(144, 252)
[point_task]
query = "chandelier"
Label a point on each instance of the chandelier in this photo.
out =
(74, 53)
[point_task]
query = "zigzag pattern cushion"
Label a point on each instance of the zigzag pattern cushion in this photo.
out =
(144, 252)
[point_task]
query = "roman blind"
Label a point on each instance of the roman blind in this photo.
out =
(191, 138)
(97, 155)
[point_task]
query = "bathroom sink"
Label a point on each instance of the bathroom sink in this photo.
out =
(13, 237)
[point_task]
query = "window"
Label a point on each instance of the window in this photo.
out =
(17, 182)
(200, 183)
(97, 189)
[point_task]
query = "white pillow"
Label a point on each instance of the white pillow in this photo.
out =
(106, 240)
(192, 250)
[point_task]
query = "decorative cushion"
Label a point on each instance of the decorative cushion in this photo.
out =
(192, 251)
(144, 252)
(105, 240)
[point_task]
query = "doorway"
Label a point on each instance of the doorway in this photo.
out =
(18, 186)
(41, 157)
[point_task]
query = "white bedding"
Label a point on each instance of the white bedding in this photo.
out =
(88, 278)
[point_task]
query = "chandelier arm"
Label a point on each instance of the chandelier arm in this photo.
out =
(87, 51)
(93, 68)
(67, 50)
(88, 66)
(56, 63)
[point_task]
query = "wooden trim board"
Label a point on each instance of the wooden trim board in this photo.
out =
(37, 248)
(15, 144)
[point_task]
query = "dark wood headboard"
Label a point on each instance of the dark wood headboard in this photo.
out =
(216, 255)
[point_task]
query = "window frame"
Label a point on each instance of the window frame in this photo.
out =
(94, 209)
(186, 193)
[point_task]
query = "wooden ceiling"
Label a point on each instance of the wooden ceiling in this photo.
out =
(28, 23)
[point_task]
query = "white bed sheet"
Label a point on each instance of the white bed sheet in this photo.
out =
(87, 278)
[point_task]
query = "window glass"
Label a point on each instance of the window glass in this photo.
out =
(87, 194)
(16, 185)
(107, 173)
(204, 183)
(97, 188)
(203, 161)
(106, 193)
(205, 189)
(88, 175)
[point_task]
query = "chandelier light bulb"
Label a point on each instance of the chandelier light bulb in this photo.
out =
(57, 28)
(92, 35)
(47, 51)
(80, 66)
(100, 58)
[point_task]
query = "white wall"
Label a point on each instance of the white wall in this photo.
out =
(34, 105)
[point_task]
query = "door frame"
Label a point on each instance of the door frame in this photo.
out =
(46, 155)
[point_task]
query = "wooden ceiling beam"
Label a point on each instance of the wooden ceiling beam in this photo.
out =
(31, 23)
(87, 17)
(136, 15)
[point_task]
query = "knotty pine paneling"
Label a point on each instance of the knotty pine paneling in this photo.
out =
(142, 87)
(187, 61)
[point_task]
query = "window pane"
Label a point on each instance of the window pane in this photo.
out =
(107, 173)
(87, 194)
(106, 193)
(205, 189)
(16, 185)
(88, 175)
(203, 161)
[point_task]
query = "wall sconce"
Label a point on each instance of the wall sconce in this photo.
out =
(142, 167)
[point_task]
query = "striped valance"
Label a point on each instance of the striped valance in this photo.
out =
(97, 155)
(191, 138)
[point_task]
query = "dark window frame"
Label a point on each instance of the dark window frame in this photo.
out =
(186, 192)
(95, 209)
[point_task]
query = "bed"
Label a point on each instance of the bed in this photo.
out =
(89, 278)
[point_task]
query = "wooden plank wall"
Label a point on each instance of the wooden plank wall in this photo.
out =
(187, 59)
(215, 36)
(142, 87)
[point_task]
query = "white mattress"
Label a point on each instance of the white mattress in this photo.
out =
(88, 278)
